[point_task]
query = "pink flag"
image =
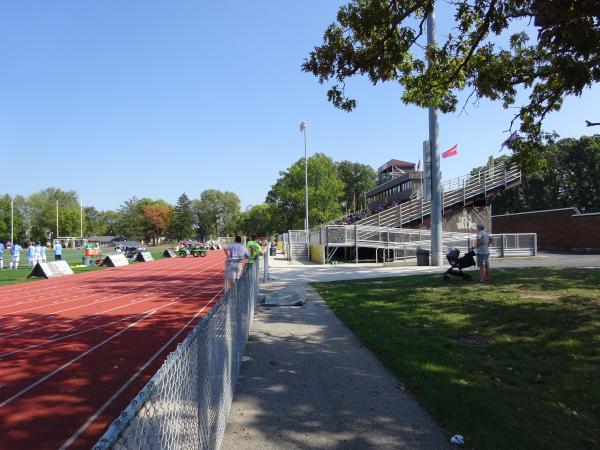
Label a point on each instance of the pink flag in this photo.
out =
(452, 151)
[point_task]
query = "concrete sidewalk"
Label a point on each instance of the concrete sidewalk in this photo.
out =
(310, 384)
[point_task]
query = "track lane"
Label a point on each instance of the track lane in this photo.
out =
(81, 389)
(99, 302)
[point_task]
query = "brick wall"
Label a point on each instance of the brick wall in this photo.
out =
(559, 229)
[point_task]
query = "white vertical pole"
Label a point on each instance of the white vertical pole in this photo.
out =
(303, 130)
(57, 219)
(12, 221)
(436, 196)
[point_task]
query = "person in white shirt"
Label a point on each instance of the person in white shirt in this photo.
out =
(483, 254)
(30, 255)
(43, 253)
(37, 256)
(15, 254)
(235, 252)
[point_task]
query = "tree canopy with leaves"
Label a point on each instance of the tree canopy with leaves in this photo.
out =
(215, 213)
(570, 179)
(357, 178)
(182, 222)
(324, 191)
(383, 40)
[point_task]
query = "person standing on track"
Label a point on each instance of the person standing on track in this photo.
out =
(235, 252)
(58, 251)
(1, 255)
(15, 254)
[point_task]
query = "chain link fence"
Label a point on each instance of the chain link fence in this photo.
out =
(186, 403)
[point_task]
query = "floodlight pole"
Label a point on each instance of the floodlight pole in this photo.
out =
(12, 221)
(81, 219)
(303, 130)
(436, 195)
(56, 219)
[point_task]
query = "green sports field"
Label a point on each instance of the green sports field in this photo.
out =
(72, 256)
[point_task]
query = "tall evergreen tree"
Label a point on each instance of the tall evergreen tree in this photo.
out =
(183, 219)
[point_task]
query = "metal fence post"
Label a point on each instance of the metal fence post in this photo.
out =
(356, 242)
(266, 256)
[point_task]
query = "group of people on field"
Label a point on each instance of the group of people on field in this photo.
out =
(237, 253)
(36, 252)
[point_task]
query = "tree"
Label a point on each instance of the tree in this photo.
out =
(129, 222)
(569, 179)
(324, 191)
(215, 213)
(157, 219)
(39, 214)
(382, 40)
(183, 219)
(258, 220)
(357, 178)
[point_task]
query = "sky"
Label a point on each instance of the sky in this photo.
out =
(151, 98)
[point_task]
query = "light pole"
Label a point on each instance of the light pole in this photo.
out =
(303, 130)
(436, 194)
(12, 221)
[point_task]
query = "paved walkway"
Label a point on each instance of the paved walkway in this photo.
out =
(310, 384)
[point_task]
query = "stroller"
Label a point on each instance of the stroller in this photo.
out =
(457, 264)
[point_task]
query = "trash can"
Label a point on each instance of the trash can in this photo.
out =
(422, 257)
(273, 251)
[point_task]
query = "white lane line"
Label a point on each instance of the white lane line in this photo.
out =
(124, 291)
(98, 314)
(87, 330)
(56, 290)
(68, 363)
(100, 410)
(56, 287)
(165, 291)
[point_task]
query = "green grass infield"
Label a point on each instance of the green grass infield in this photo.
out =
(511, 365)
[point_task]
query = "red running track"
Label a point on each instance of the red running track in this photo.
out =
(74, 351)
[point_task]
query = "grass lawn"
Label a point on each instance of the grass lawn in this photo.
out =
(536, 386)
(73, 257)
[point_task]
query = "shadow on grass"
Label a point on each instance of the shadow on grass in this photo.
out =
(533, 388)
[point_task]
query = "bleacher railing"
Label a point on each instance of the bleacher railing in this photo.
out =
(186, 403)
(408, 241)
(454, 192)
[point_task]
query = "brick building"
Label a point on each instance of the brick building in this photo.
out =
(565, 229)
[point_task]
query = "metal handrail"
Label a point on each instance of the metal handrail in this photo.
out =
(417, 208)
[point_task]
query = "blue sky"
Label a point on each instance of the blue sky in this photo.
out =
(153, 98)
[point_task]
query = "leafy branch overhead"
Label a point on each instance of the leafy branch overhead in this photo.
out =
(385, 41)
